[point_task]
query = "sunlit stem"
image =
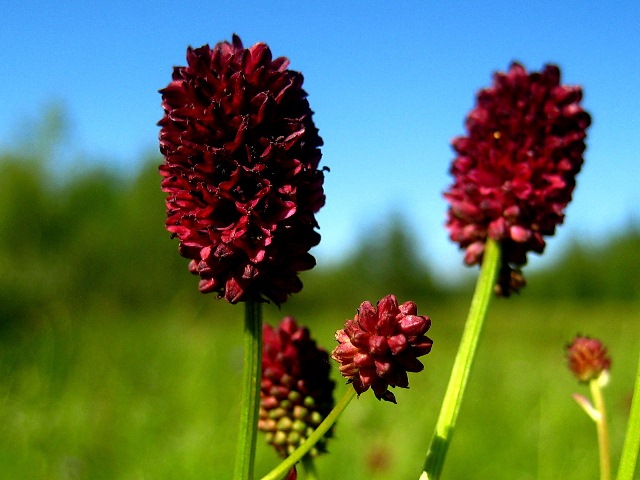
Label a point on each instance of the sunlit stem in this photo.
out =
(601, 424)
(631, 445)
(251, 374)
(462, 364)
(283, 468)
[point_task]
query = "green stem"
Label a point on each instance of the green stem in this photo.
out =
(632, 440)
(601, 425)
(251, 374)
(462, 364)
(283, 468)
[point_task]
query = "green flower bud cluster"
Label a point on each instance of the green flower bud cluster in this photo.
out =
(290, 422)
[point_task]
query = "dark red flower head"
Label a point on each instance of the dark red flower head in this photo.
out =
(296, 392)
(515, 169)
(587, 358)
(241, 171)
(381, 344)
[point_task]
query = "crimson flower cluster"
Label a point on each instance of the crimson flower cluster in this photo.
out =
(296, 392)
(241, 171)
(381, 344)
(515, 169)
(587, 358)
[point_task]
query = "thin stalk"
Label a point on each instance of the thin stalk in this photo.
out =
(631, 445)
(601, 425)
(462, 365)
(283, 468)
(251, 374)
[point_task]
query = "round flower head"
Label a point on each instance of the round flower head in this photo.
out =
(515, 170)
(381, 344)
(587, 358)
(241, 171)
(296, 393)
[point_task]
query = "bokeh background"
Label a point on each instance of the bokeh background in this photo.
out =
(113, 366)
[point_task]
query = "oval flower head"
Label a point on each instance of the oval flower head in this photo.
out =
(241, 171)
(296, 393)
(380, 345)
(587, 358)
(515, 169)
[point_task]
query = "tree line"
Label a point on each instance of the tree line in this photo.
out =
(95, 238)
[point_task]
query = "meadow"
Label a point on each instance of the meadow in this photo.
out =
(116, 396)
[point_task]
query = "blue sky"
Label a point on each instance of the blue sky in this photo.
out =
(390, 82)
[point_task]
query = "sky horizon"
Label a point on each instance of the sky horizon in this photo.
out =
(390, 86)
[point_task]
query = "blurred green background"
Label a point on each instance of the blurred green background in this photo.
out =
(114, 366)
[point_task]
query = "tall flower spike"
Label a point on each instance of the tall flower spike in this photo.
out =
(587, 358)
(380, 345)
(296, 392)
(241, 171)
(515, 170)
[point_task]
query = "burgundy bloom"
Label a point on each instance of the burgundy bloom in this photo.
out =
(241, 171)
(381, 344)
(296, 392)
(515, 169)
(587, 358)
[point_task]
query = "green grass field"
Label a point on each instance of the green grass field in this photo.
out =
(107, 396)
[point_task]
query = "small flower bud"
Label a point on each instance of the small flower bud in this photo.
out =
(380, 345)
(587, 358)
